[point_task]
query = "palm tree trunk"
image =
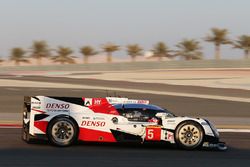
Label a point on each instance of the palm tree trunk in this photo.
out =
(17, 63)
(133, 58)
(109, 57)
(247, 54)
(39, 61)
(217, 52)
(85, 59)
(160, 58)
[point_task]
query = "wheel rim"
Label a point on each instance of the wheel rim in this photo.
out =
(189, 135)
(62, 131)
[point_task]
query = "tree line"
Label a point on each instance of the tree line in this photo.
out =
(188, 49)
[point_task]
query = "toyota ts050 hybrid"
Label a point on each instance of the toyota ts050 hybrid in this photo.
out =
(64, 120)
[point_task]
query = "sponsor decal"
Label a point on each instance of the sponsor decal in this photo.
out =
(35, 102)
(143, 101)
(88, 102)
(57, 106)
(171, 121)
(97, 102)
(98, 118)
(116, 100)
(85, 117)
(210, 145)
(137, 101)
(170, 136)
(93, 123)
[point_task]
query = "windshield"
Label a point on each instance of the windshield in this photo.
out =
(140, 112)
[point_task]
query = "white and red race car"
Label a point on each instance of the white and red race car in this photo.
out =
(65, 120)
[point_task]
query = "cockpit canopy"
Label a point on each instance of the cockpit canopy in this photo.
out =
(139, 112)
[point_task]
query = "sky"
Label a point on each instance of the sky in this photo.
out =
(75, 23)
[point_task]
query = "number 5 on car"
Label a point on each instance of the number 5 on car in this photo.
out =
(153, 133)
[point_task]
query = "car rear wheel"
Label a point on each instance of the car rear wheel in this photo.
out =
(25, 135)
(62, 132)
(189, 135)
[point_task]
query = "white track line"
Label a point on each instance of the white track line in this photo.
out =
(235, 130)
(18, 83)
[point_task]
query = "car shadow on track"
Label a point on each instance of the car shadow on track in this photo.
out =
(124, 145)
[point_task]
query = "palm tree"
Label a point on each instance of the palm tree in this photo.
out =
(63, 55)
(134, 50)
(40, 50)
(17, 55)
(109, 48)
(87, 51)
(243, 42)
(1, 60)
(189, 49)
(218, 37)
(161, 50)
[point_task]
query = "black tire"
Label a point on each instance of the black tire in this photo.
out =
(189, 135)
(25, 134)
(62, 132)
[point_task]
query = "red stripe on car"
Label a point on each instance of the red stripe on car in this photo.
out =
(95, 135)
(42, 125)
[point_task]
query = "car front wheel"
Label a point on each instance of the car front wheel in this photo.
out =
(189, 135)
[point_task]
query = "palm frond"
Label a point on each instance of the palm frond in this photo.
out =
(63, 55)
(88, 51)
(17, 55)
(40, 49)
(134, 50)
(189, 49)
(243, 42)
(161, 50)
(218, 36)
(110, 47)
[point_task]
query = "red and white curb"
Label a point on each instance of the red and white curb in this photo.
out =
(10, 126)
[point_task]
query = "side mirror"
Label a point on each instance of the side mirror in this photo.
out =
(161, 115)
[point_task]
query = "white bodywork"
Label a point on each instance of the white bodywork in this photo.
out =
(87, 118)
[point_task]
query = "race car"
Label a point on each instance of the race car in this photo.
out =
(65, 120)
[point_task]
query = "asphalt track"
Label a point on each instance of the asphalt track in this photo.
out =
(15, 152)
(139, 85)
(11, 99)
